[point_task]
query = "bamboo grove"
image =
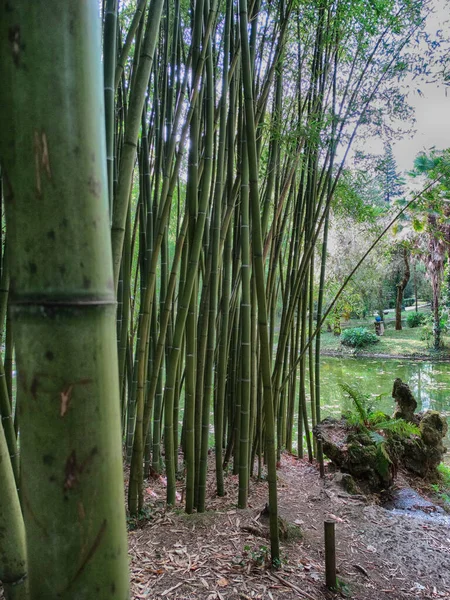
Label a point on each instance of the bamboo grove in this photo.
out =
(226, 127)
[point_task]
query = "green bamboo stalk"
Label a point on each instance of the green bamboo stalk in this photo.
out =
(317, 348)
(311, 349)
(128, 154)
(193, 392)
(62, 300)
(7, 421)
(175, 352)
(203, 207)
(109, 65)
(220, 411)
(213, 288)
(167, 192)
(136, 435)
(157, 419)
(13, 563)
(132, 394)
(201, 347)
(4, 290)
(256, 400)
(260, 286)
(218, 199)
(9, 349)
(302, 411)
(223, 407)
(125, 51)
(160, 345)
(125, 312)
(245, 350)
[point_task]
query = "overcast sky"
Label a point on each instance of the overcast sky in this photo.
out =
(431, 103)
(432, 125)
(432, 110)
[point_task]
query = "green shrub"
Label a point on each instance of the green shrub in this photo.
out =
(358, 337)
(442, 488)
(415, 319)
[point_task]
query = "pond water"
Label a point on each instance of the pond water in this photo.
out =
(429, 382)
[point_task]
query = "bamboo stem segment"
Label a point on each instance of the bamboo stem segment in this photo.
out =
(330, 554)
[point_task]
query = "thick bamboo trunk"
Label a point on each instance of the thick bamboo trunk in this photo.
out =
(62, 299)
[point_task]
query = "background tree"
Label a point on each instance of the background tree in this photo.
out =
(391, 182)
(431, 221)
(401, 285)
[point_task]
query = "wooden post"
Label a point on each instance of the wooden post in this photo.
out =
(330, 555)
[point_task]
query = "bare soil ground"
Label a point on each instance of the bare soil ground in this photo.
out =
(224, 553)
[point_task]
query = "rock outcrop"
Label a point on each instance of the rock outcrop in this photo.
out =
(421, 455)
(374, 455)
(356, 453)
(406, 403)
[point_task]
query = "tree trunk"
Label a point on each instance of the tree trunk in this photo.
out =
(436, 315)
(400, 289)
(62, 299)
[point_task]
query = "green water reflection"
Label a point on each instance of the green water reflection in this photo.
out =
(429, 382)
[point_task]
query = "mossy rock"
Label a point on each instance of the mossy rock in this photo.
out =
(348, 483)
(362, 439)
(373, 455)
(406, 404)
(418, 458)
(384, 463)
(433, 427)
(370, 462)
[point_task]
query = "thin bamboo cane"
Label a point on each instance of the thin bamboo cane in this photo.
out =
(13, 562)
(260, 286)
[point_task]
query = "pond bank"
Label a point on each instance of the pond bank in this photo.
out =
(364, 354)
(410, 343)
(429, 382)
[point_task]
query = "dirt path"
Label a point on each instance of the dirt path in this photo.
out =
(381, 555)
(223, 554)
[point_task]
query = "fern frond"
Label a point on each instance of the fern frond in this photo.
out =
(353, 419)
(399, 427)
(376, 437)
(376, 417)
(358, 399)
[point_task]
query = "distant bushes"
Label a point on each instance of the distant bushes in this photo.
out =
(415, 319)
(358, 337)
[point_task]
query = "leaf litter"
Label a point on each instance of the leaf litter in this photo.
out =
(224, 553)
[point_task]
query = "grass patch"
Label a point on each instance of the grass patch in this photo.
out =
(444, 472)
(408, 342)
